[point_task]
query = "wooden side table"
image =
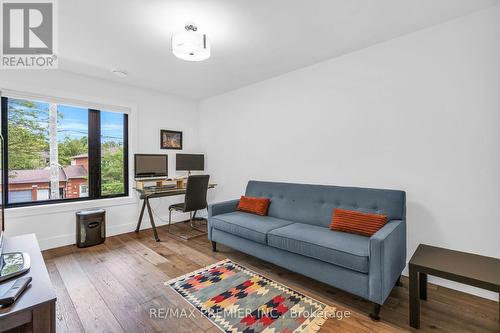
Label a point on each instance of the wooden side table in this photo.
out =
(472, 269)
(35, 310)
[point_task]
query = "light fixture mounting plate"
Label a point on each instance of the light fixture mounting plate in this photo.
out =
(191, 26)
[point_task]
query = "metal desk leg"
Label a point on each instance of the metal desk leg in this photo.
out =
(140, 216)
(422, 278)
(414, 298)
(150, 212)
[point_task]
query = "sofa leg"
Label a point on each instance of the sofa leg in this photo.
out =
(214, 246)
(375, 315)
(398, 282)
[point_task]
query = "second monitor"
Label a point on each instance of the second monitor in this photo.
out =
(190, 162)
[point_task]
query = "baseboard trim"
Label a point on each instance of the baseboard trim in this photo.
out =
(113, 230)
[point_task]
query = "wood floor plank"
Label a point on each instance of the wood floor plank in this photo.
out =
(153, 277)
(67, 320)
(92, 310)
(177, 262)
(183, 322)
(121, 303)
(186, 319)
(186, 249)
(138, 275)
(142, 250)
(129, 271)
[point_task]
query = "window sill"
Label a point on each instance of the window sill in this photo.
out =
(54, 208)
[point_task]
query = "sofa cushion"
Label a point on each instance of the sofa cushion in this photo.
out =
(246, 225)
(339, 248)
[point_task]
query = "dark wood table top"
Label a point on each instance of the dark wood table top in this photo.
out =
(479, 270)
(41, 290)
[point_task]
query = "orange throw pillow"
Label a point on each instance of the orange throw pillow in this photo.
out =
(355, 222)
(254, 205)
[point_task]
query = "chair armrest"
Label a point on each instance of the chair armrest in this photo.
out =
(222, 207)
(387, 259)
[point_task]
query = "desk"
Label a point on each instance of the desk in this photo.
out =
(146, 194)
(472, 269)
(35, 310)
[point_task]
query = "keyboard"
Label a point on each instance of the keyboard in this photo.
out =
(160, 188)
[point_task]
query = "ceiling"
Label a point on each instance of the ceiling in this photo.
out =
(251, 40)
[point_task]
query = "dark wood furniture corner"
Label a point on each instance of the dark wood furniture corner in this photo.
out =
(472, 269)
(35, 310)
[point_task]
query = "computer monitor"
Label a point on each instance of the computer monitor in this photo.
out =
(189, 162)
(150, 166)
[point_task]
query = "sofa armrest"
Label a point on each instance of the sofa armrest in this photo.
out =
(218, 209)
(222, 207)
(387, 259)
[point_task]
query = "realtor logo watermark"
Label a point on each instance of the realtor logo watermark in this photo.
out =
(241, 313)
(28, 34)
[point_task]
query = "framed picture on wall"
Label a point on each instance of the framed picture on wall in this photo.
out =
(170, 139)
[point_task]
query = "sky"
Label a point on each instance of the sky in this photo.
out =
(73, 122)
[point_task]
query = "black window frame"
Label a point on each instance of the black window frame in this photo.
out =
(94, 162)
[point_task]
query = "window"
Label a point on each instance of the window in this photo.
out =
(56, 152)
(112, 153)
(84, 191)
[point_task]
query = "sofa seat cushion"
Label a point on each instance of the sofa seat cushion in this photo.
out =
(338, 248)
(246, 225)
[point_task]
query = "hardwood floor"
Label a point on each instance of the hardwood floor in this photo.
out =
(112, 287)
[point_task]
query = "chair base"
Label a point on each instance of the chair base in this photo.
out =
(185, 236)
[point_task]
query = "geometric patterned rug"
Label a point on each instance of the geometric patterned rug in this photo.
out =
(239, 300)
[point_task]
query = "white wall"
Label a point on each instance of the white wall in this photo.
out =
(419, 113)
(54, 224)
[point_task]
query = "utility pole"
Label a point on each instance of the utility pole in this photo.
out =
(54, 152)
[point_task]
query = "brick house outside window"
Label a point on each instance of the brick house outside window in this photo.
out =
(34, 185)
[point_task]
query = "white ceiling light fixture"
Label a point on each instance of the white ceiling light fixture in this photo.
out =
(191, 45)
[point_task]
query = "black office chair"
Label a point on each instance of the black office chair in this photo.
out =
(194, 200)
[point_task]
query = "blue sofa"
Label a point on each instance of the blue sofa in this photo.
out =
(296, 235)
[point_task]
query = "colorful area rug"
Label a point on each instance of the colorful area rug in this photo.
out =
(238, 300)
